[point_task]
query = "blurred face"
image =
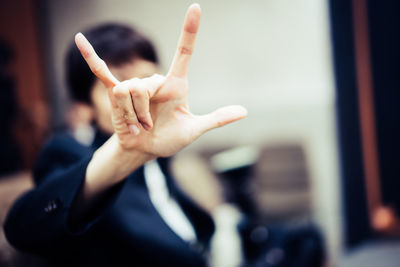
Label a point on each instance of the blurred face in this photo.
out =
(101, 105)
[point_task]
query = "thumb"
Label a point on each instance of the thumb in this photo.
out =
(218, 118)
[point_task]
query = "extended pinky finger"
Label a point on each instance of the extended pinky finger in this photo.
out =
(219, 118)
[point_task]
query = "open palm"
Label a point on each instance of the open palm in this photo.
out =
(152, 114)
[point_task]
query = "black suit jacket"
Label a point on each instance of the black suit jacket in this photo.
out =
(123, 230)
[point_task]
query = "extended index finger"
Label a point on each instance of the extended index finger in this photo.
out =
(96, 64)
(180, 64)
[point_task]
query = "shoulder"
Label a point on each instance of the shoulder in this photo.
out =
(64, 145)
(60, 151)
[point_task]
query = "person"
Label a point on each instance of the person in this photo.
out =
(114, 202)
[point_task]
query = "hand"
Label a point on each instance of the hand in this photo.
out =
(151, 115)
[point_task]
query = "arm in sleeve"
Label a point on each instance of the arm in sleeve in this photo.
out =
(38, 220)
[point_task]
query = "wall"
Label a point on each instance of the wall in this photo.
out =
(26, 69)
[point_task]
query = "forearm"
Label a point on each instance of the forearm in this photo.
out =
(109, 165)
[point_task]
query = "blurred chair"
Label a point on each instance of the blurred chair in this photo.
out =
(281, 186)
(271, 188)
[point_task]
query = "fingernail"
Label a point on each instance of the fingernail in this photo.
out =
(146, 126)
(134, 129)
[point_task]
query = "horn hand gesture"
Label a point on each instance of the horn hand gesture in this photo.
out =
(152, 115)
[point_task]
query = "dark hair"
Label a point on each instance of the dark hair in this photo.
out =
(116, 44)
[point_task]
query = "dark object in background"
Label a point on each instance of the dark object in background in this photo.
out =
(356, 223)
(267, 246)
(270, 184)
(235, 169)
(383, 24)
(384, 29)
(279, 169)
(9, 155)
(237, 189)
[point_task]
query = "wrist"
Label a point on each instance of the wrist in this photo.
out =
(111, 163)
(124, 159)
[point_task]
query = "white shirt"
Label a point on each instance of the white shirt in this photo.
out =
(165, 205)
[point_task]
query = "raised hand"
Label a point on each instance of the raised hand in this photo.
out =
(151, 115)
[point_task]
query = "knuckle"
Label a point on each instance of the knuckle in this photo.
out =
(135, 81)
(157, 76)
(98, 68)
(129, 116)
(138, 92)
(135, 87)
(120, 90)
(131, 119)
(185, 50)
(86, 53)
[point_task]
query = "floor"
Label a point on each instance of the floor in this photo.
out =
(11, 187)
(373, 254)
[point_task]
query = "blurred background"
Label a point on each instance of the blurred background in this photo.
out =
(319, 79)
